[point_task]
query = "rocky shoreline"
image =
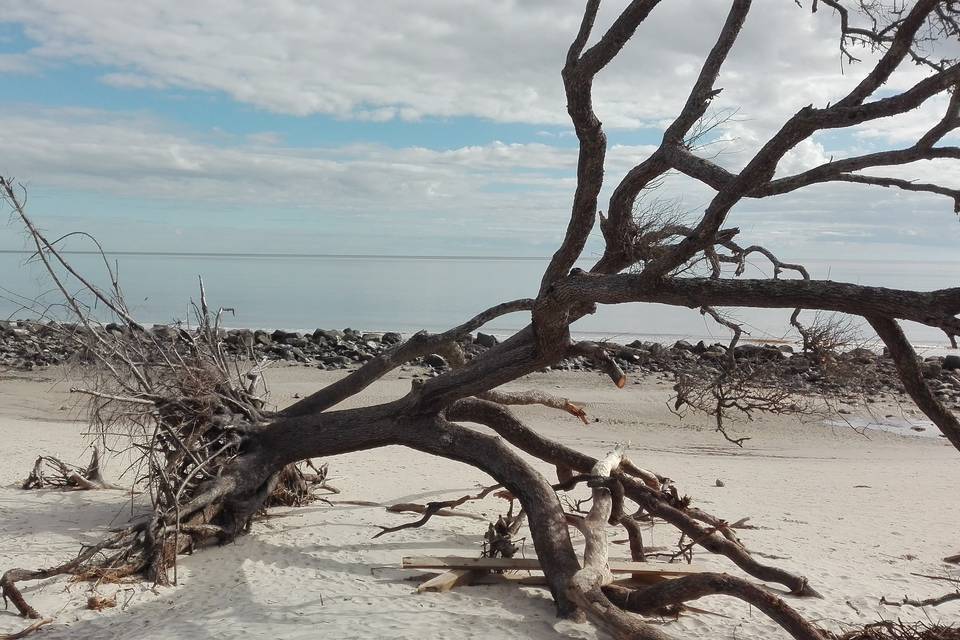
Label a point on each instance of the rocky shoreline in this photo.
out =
(26, 345)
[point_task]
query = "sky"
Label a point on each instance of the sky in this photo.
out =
(428, 127)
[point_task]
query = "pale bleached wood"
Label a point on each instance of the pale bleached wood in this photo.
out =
(447, 581)
(533, 564)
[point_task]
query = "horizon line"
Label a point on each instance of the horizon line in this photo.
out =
(388, 256)
(229, 254)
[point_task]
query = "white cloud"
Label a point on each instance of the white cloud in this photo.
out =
(380, 60)
(133, 156)
(519, 193)
(15, 63)
(132, 81)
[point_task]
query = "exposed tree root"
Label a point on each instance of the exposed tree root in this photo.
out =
(188, 415)
(80, 563)
(887, 630)
(52, 472)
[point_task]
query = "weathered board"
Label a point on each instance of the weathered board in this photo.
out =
(532, 564)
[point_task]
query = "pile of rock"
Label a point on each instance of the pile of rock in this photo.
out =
(326, 348)
(27, 345)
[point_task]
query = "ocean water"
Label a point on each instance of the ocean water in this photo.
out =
(377, 293)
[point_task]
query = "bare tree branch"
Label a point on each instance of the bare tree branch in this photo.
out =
(905, 359)
(420, 344)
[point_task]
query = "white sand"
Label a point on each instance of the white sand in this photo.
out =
(315, 572)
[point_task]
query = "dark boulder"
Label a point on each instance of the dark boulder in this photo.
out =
(391, 337)
(714, 353)
(435, 361)
(759, 352)
(930, 369)
(860, 355)
(327, 335)
(656, 349)
(240, 337)
(114, 328)
(487, 340)
(164, 332)
(281, 336)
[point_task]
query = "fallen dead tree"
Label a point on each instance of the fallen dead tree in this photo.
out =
(214, 457)
(180, 411)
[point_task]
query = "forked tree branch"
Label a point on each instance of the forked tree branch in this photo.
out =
(578, 75)
(419, 345)
(535, 396)
(935, 308)
(502, 420)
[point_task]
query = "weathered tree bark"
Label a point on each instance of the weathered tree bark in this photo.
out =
(653, 600)
(501, 420)
(905, 358)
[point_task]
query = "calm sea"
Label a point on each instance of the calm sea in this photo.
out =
(411, 293)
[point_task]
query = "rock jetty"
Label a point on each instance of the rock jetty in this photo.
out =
(26, 345)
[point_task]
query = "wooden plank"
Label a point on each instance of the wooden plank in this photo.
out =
(540, 580)
(449, 580)
(533, 564)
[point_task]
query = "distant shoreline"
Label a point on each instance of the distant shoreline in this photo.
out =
(389, 256)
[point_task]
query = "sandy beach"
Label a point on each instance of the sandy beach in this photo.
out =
(858, 514)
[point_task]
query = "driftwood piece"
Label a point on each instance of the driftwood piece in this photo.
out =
(450, 579)
(934, 601)
(434, 509)
(413, 507)
(26, 631)
(51, 472)
(586, 586)
(533, 564)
